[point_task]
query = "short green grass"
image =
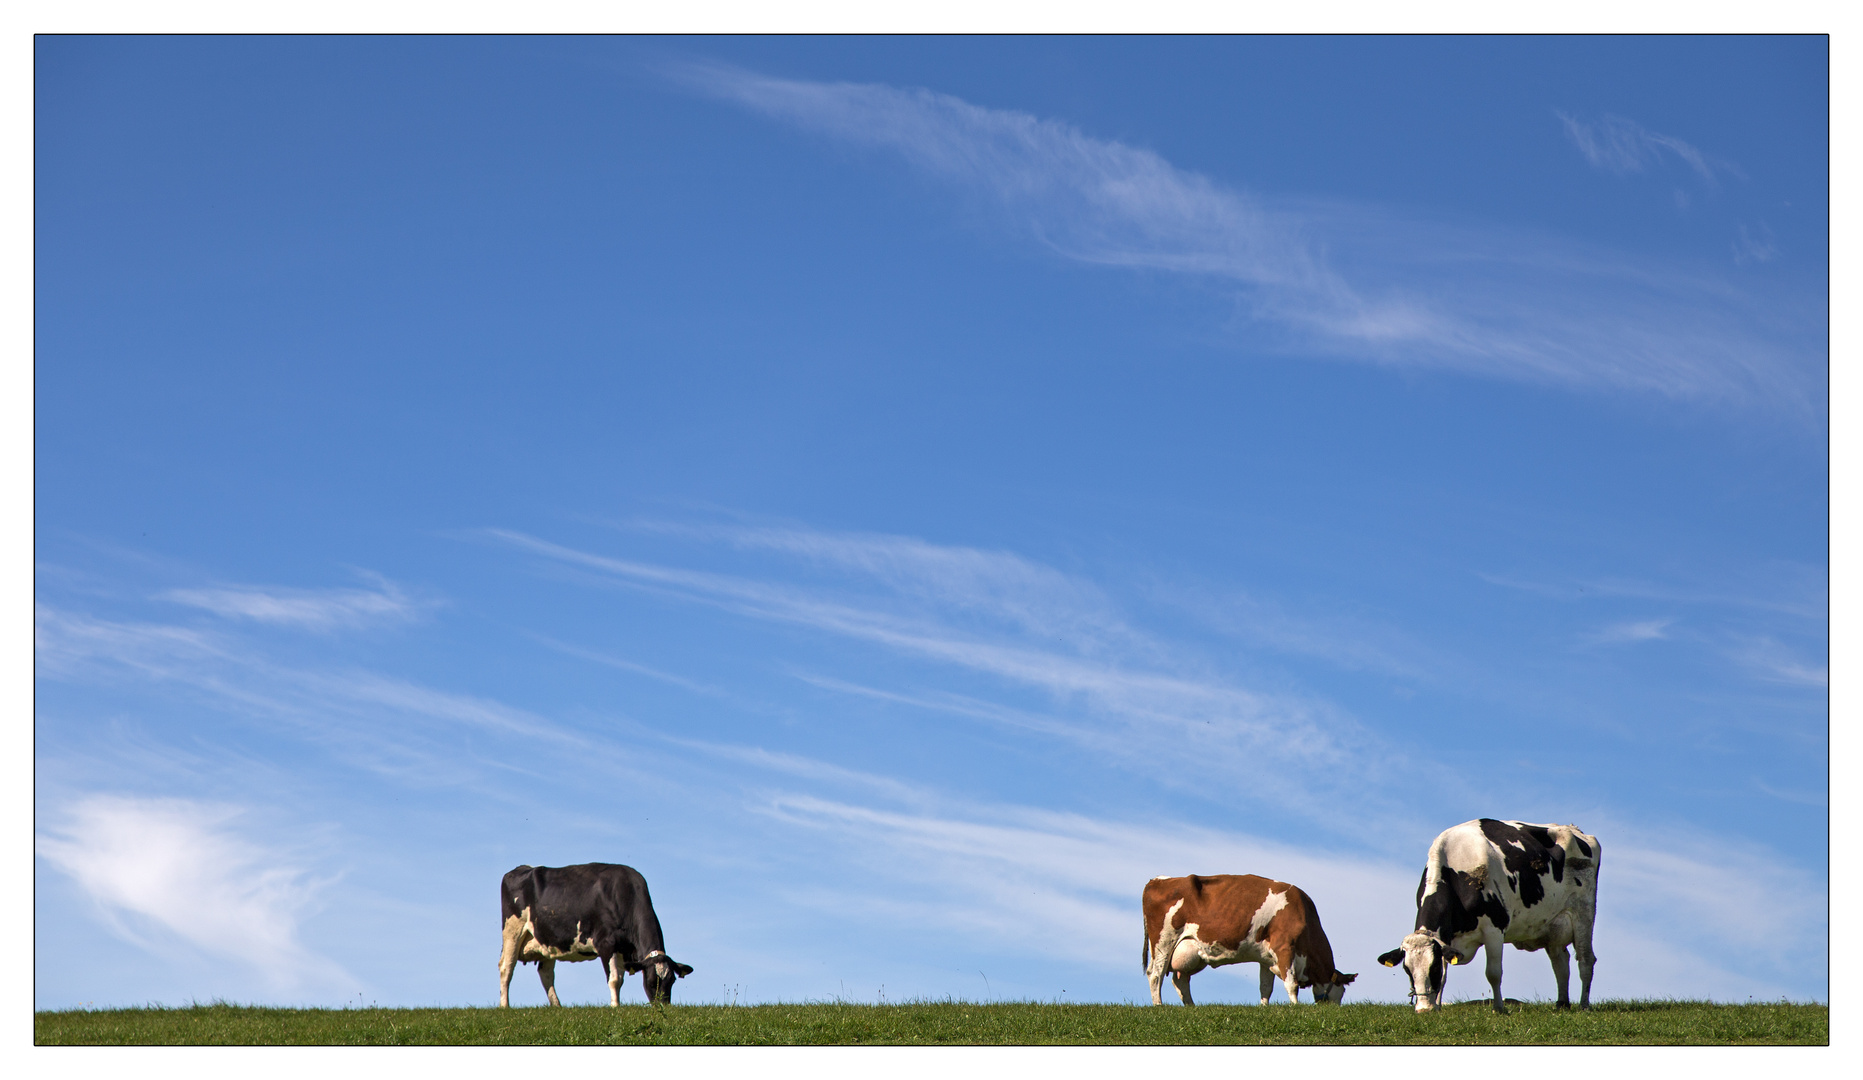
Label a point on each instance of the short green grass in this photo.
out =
(946, 1023)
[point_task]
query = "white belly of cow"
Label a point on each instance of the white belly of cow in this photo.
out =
(537, 950)
(1540, 926)
(1192, 954)
(1550, 922)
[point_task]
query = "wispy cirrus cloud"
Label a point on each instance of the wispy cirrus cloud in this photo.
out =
(623, 664)
(1347, 642)
(1803, 798)
(1771, 661)
(1755, 243)
(1795, 591)
(308, 609)
(1676, 886)
(1625, 633)
(1763, 621)
(181, 869)
(995, 586)
(1089, 198)
(1130, 699)
(383, 724)
(63, 641)
(1619, 145)
(824, 610)
(1340, 281)
(807, 768)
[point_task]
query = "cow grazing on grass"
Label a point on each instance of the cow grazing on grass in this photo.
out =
(1491, 882)
(1196, 922)
(595, 911)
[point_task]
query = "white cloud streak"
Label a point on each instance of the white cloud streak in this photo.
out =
(1630, 632)
(386, 725)
(179, 866)
(1770, 661)
(1342, 282)
(1346, 642)
(989, 590)
(309, 609)
(1802, 593)
(1130, 703)
(1622, 146)
(808, 768)
(1755, 244)
(1674, 887)
(620, 664)
(1743, 627)
(1803, 798)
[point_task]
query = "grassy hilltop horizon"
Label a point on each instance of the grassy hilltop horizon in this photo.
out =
(948, 1023)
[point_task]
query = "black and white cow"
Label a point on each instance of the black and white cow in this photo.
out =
(1488, 883)
(595, 911)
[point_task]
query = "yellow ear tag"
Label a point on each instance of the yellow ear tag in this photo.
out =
(1455, 960)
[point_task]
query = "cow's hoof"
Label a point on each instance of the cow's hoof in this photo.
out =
(1500, 1010)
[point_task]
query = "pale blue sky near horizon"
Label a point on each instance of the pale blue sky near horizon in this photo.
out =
(901, 494)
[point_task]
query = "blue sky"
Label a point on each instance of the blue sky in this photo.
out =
(902, 494)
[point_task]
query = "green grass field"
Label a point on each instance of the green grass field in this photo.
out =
(946, 1023)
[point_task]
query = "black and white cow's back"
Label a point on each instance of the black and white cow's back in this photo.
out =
(1489, 883)
(592, 911)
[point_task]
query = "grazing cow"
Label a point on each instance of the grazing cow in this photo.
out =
(587, 912)
(1491, 882)
(1196, 922)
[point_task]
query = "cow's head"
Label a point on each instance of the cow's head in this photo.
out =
(1425, 959)
(658, 973)
(1331, 993)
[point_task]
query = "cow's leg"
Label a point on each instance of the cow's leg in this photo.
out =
(1581, 938)
(1493, 946)
(1154, 974)
(1182, 980)
(1267, 981)
(546, 971)
(508, 959)
(616, 972)
(1562, 973)
(1292, 982)
(1161, 952)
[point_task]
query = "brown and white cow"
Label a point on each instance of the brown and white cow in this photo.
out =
(1196, 922)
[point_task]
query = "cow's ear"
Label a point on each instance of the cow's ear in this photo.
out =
(1344, 978)
(683, 969)
(1392, 958)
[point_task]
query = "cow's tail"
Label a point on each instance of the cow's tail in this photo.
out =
(1145, 951)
